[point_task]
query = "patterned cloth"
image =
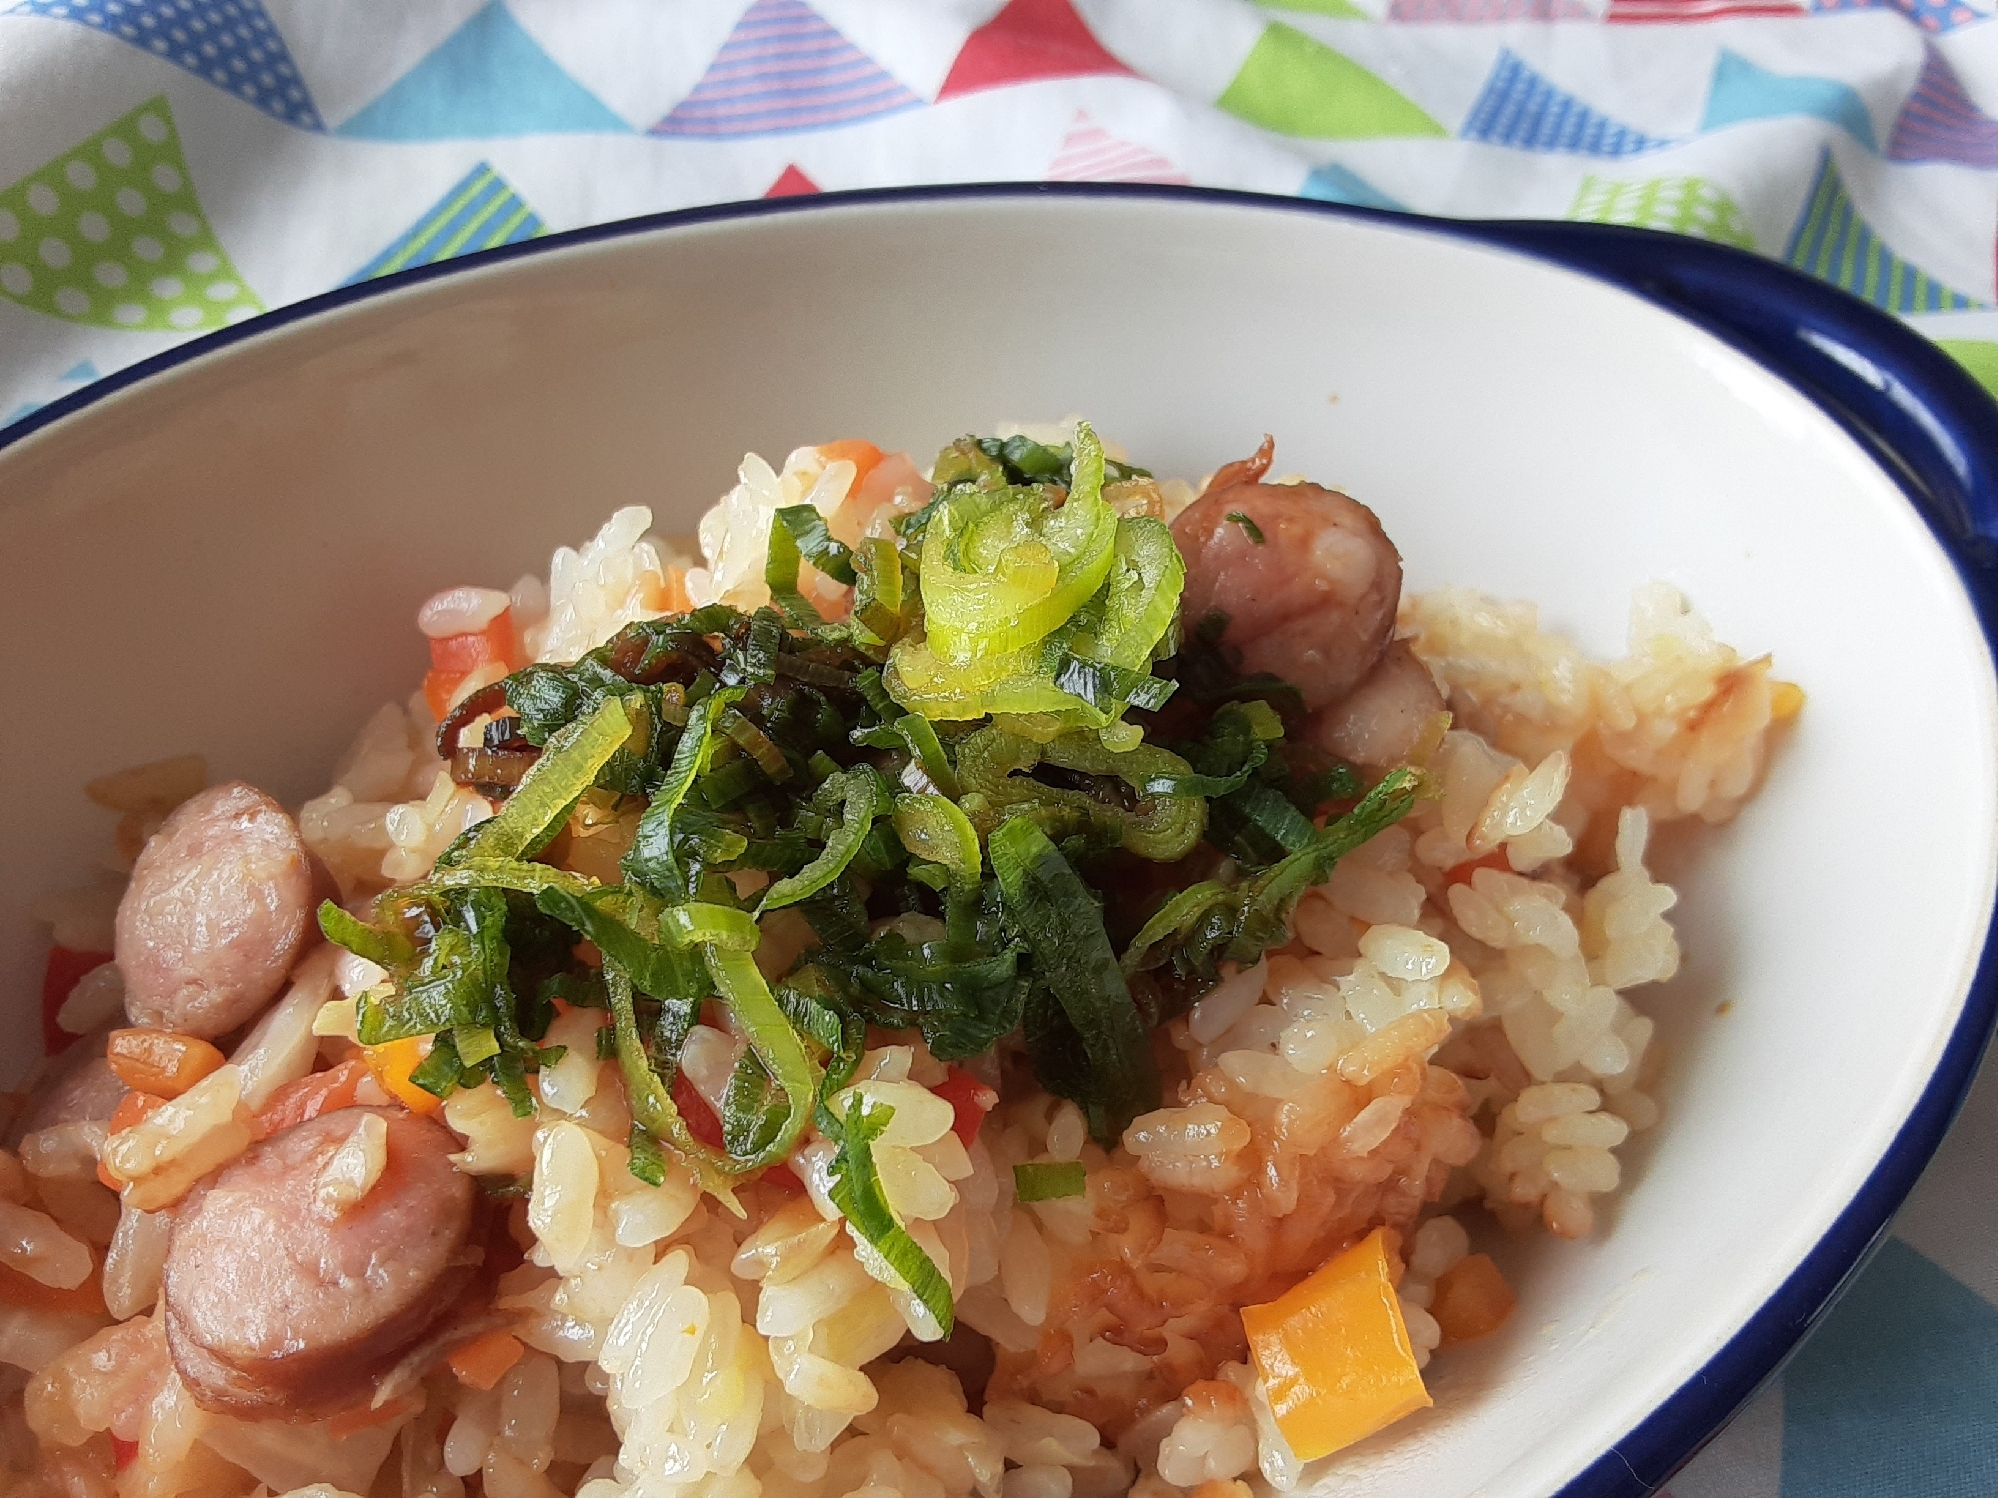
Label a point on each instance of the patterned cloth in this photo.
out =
(171, 166)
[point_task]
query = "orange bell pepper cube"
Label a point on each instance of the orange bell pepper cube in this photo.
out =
(392, 1063)
(1334, 1353)
(161, 1062)
(1472, 1299)
(483, 1361)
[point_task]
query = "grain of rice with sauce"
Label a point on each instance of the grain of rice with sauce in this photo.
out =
(1440, 1040)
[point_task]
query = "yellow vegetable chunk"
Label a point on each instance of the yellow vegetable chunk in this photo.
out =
(1334, 1353)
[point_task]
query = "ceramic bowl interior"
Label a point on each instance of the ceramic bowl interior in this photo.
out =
(227, 558)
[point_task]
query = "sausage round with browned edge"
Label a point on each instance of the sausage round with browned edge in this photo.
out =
(219, 908)
(278, 1305)
(1306, 579)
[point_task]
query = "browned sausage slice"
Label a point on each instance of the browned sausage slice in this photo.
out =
(1307, 577)
(220, 905)
(277, 1306)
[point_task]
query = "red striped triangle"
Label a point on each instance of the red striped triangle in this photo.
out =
(791, 183)
(1672, 11)
(1026, 41)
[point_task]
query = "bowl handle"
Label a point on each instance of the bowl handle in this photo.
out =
(1919, 413)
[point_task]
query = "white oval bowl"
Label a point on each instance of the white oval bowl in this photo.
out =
(227, 557)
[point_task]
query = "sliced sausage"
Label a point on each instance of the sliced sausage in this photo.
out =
(77, 1087)
(274, 1305)
(220, 906)
(1382, 719)
(1306, 576)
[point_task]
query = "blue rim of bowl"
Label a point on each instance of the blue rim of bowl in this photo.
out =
(1900, 393)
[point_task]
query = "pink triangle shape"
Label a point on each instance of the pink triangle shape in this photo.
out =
(1089, 153)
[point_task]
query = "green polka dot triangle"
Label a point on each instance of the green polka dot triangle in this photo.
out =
(111, 234)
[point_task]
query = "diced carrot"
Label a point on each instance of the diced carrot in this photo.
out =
(161, 1062)
(970, 1099)
(308, 1097)
(132, 1107)
(362, 1417)
(1334, 1353)
(667, 595)
(701, 1120)
(18, 1289)
(65, 968)
(454, 657)
(392, 1063)
(498, 643)
(1472, 1299)
(1461, 873)
(862, 454)
(483, 1362)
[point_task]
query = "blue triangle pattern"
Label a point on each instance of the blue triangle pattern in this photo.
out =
(1519, 108)
(1333, 183)
(1893, 1392)
(782, 70)
(232, 44)
(73, 378)
(487, 78)
(481, 212)
(1831, 241)
(1743, 91)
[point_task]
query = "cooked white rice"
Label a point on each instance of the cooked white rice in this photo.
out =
(1425, 1037)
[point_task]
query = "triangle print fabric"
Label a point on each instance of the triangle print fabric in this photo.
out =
(784, 69)
(1743, 91)
(110, 233)
(1933, 16)
(1671, 11)
(480, 213)
(231, 44)
(1681, 205)
(1296, 85)
(1026, 42)
(1519, 108)
(488, 78)
(1333, 183)
(1089, 153)
(1940, 121)
(1833, 242)
(1469, 12)
(791, 183)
